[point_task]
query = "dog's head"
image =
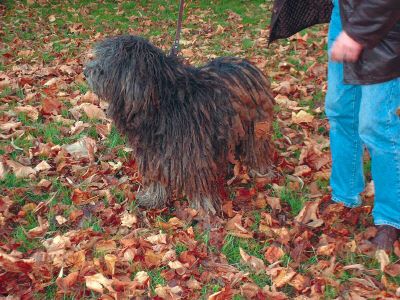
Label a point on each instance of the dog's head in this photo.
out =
(126, 69)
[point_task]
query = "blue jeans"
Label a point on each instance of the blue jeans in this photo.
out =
(363, 115)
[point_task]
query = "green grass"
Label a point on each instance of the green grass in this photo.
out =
(156, 278)
(231, 248)
(11, 181)
(180, 247)
(114, 139)
(330, 292)
(295, 200)
(26, 244)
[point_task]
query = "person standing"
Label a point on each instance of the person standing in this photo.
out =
(363, 97)
(362, 105)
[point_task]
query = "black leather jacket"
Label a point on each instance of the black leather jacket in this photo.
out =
(376, 25)
(373, 23)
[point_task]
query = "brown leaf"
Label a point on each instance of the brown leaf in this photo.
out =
(299, 282)
(152, 259)
(38, 231)
(105, 246)
(326, 249)
(30, 111)
(284, 276)
(169, 293)
(274, 202)
(80, 197)
(110, 260)
(20, 170)
(2, 170)
(15, 265)
(68, 281)
(302, 117)
(42, 166)
(93, 111)
(249, 290)
(160, 238)
(103, 130)
(6, 127)
(383, 258)
(303, 170)
(51, 106)
(308, 215)
(253, 262)
(85, 147)
(128, 219)
(97, 282)
(393, 270)
(273, 254)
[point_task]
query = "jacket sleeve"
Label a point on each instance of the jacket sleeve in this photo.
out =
(371, 20)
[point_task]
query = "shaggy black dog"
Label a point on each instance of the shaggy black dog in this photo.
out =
(183, 122)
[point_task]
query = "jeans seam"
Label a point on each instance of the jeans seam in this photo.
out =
(392, 140)
(355, 132)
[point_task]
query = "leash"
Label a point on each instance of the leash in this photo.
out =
(175, 46)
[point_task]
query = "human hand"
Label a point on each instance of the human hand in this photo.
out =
(345, 49)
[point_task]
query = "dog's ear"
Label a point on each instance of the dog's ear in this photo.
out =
(137, 74)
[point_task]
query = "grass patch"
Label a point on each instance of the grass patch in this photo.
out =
(156, 278)
(232, 245)
(180, 247)
(295, 201)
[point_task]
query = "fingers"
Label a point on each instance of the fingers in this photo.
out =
(345, 49)
(344, 54)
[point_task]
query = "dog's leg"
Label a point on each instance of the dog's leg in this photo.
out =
(153, 196)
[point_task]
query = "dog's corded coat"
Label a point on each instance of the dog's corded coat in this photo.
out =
(182, 122)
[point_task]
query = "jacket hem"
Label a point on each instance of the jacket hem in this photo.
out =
(370, 81)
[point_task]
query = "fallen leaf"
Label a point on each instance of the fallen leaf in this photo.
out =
(51, 106)
(274, 202)
(128, 219)
(42, 166)
(110, 260)
(93, 111)
(68, 281)
(160, 238)
(10, 126)
(253, 262)
(20, 170)
(308, 215)
(326, 249)
(302, 117)
(85, 147)
(299, 282)
(285, 275)
(302, 170)
(105, 246)
(383, 258)
(273, 254)
(60, 219)
(168, 293)
(30, 111)
(98, 282)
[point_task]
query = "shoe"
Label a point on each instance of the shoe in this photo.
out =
(385, 237)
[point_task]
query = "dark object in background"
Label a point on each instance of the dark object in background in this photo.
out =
(182, 122)
(292, 16)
